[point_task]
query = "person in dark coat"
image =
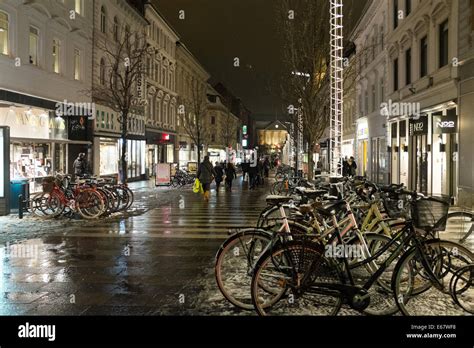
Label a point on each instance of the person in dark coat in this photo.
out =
(352, 166)
(266, 167)
(230, 175)
(345, 167)
(80, 165)
(206, 174)
(219, 170)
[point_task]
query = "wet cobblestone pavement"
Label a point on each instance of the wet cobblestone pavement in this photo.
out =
(155, 260)
(149, 262)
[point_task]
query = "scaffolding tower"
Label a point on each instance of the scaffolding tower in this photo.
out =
(337, 88)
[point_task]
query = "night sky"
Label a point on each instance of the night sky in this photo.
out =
(216, 31)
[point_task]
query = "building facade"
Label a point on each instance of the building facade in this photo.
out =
(368, 73)
(191, 85)
(161, 118)
(422, 43)
(466, 103)
(224, 127)
(44, 50)
(112, 21)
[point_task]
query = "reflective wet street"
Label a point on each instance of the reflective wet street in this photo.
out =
(151, 262)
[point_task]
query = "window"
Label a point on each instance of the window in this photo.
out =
(443, 44)
(3, 33)
(56, 56)
(34, 44)
(407, 7)
(102, 72)
(423, 57)
(213, 137)
(408, 66)
(213, 120)
(395, 14)
(78, 6)
(382, 41)
(103, 20)
(116, 29)
(77, 64)
(395, 75)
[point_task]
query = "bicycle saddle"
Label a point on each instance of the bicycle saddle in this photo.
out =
(277, 200)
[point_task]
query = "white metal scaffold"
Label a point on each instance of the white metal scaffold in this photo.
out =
(337, 87)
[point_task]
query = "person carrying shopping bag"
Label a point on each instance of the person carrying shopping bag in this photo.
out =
(206, 174)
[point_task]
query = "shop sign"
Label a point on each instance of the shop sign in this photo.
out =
(163, 174)
(419, 126)
(192, 167)
(27, 124)
(445, 124)
(362, 130)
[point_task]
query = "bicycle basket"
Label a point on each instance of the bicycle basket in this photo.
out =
(396, 205)
(431, 213)
(48, 184)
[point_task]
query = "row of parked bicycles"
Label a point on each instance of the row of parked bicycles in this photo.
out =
(350, 245)
(87, 197)
(182, 178)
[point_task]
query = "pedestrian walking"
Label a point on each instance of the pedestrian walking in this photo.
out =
(219, 170)
(245, 170)
(230, 175)
(266, 167)
(206, 174)
(80, 165)
(253, 170)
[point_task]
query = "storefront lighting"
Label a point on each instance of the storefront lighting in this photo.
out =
(276, 126)
(2, 30)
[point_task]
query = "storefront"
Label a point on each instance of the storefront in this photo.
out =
(187, 153)
(348, 148)
(108, 145)
(39, 144)
(424, 151)
(362, 142)
(159, 149)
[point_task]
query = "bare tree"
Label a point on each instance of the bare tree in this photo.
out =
(228, 129)
(305, 29)
(192, 113)
(121, 77)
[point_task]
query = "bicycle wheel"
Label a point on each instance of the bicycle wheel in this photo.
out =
(130, 197)
(382, 301)
(290, 279)
(123, 196)
(90, 204)
(460, 223)
(444, 259)
(53, 205)
(234, 263)
(462, 288)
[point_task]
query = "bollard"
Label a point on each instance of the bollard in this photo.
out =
(20, 206)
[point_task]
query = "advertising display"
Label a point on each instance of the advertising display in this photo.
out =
(163, 174)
